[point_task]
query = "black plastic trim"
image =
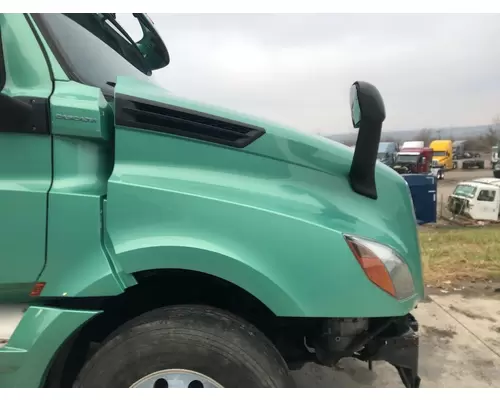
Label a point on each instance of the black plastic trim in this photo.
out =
(75, 303)
(3, 75)
(24, 115)
(134, 112)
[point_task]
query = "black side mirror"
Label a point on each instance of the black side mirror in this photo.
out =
(151, 45)
(367, 114)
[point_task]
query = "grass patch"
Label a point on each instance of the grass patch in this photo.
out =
(460, 254)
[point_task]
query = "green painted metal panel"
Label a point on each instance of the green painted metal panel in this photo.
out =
(24, 362)
(269, 218)
(25, 161)
(77, 261)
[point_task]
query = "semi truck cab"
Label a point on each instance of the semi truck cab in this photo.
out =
(150, 240)
(414, 160)
(443, 153)
(387, 152)
(494, 156)
(478, 199)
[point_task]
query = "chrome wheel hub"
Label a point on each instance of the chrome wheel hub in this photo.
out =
(176, 378)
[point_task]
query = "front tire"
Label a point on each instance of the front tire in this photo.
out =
(207, 346)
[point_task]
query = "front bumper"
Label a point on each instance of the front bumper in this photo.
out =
(394, 340)
(400, 349)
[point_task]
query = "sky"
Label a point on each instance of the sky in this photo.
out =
(433, 70)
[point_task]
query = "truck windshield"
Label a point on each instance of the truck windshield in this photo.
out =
(465, 191)
(439, 153)
(407, 158)
(90, 49)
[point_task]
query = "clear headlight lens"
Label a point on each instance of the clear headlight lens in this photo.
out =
(383, 266)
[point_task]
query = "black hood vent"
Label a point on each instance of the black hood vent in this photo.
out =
(133, 112)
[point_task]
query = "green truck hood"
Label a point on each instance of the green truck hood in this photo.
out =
(279, 142)
(389, 219)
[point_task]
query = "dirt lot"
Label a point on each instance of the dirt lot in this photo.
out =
(460, 347)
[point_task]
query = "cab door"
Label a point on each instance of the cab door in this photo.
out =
(25, 155)
(487, 203)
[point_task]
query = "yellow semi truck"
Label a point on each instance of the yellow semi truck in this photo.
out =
(443, 153)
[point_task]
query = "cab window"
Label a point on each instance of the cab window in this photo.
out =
(486, 195)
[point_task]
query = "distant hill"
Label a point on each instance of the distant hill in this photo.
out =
(455, 133)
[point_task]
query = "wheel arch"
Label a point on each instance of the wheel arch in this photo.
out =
(240, 267)
(155, 288)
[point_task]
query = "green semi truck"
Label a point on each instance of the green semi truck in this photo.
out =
(152, 241)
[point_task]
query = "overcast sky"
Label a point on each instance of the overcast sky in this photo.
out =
(433, 70)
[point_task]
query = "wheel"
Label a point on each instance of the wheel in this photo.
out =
(186, 346)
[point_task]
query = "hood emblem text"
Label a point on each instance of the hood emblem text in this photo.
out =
(75, 118)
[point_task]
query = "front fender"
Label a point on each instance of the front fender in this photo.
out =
(273, 228)
(201, 256)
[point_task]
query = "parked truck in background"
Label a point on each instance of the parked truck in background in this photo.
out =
(458, 149)
(478, 199)
(459, 152)
(496, 170)
(387, 152)
(443, 153)
(473, 163)
(415, 144)
(495, 153)
(413, 161)
(494, 156)
(154, 241)
(437, 170)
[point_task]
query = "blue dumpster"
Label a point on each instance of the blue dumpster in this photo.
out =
(423, 188)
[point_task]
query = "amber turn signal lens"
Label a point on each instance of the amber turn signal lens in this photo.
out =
(373, 267)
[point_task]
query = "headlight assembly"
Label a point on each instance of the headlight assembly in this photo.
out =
(383, 266)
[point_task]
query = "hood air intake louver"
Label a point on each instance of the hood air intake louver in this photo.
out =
(138, 113)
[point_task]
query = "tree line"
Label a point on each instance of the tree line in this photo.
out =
(482, 142)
